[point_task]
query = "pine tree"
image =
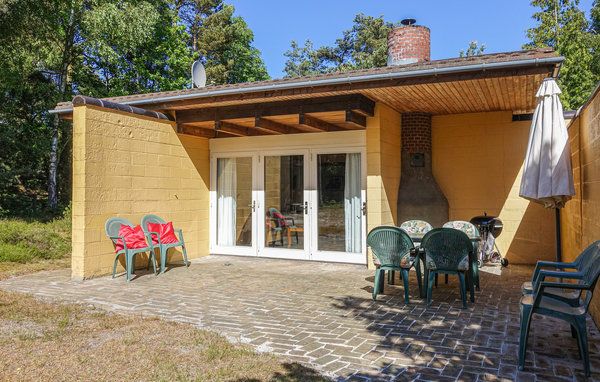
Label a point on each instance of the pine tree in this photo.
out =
(563, 27)
(361, 47)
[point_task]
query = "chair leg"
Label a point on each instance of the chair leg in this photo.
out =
(153, 258)
(476, 275)
(463, 293)
(470, 285)
(525, 322)
(163, 259)
(132, 263)
(436, 279)
(115, 266)
(582, 341)
(419, 281)
(391, 276)
(432, 275)
(446, 278)
(404, 273)
(381, 280)
(128, 266)
(376, 283)
(185, 256)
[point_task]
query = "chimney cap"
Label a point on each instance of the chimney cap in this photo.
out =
(408, 21)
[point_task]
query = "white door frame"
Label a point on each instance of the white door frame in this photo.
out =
(282, 252)
(214, 248)
(335, 256)
(259, 147)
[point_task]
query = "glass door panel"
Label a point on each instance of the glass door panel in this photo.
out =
(284, 201)
(234, 202)
(339, 204)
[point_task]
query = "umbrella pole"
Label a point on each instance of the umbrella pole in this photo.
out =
(558, 242)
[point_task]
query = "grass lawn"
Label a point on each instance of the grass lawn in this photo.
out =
(47, 340)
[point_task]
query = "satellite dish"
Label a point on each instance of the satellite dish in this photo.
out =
(198, 75)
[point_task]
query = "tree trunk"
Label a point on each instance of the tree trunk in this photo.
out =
(62, 87)
(52, 189)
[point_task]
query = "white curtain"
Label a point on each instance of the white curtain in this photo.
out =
(226, 205)
(352, 205)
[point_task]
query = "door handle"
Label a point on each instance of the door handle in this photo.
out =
(305, 208)
(364, 209)
(253, 205)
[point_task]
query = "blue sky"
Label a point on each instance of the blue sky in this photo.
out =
(500, 25)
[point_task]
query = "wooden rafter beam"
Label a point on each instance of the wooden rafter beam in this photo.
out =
(231, 128)
(237, 130)
(355, 120)
(195, 131)
(356, 102)
(275, 127)
(317, 124)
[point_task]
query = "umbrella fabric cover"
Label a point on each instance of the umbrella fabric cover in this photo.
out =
(548, 172)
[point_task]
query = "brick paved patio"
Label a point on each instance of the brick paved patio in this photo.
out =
(322, 316)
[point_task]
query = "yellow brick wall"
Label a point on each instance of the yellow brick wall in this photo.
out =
(477, 160)
(383, 168)
(580, 225)
(128, 166)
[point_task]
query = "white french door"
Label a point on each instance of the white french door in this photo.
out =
(304, 204)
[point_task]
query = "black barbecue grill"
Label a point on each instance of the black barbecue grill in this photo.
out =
(489, 225)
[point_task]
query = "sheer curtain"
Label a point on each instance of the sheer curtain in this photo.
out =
(352, 205)
(226, 205)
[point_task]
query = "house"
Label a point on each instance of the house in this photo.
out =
(334, 155)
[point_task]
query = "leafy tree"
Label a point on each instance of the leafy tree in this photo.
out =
(304, 61)
(53, 49)
(595, 36)
(563, 27)
(474, 49)
(223, 43)
(361, 47)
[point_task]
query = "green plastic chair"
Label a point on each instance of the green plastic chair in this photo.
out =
(575, 314)
(447, 251)
(280, 224)
(164, 247)
(471, 231)
(112, 227)
(392, 246)
(570, 297)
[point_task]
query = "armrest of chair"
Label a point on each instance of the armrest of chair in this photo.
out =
(149, 236)
(552, 264)
(564, 275)
(539, 292)
(180, 231)
(119, 237)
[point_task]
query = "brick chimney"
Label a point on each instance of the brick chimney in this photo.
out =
(419, 195)
(408, 43)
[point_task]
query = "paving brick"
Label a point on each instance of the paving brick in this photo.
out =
(331, 323)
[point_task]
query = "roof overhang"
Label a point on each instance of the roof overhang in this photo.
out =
(506, 82)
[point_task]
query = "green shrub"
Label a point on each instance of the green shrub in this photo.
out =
(26, 241)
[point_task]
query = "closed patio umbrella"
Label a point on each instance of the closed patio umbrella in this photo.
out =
(548, 172)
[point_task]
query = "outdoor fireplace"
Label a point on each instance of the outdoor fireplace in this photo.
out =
(419, 195)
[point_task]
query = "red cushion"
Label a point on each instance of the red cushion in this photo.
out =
(279, 216)
(165, 231)
(134, 237)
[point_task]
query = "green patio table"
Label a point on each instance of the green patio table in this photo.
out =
(418, 237)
